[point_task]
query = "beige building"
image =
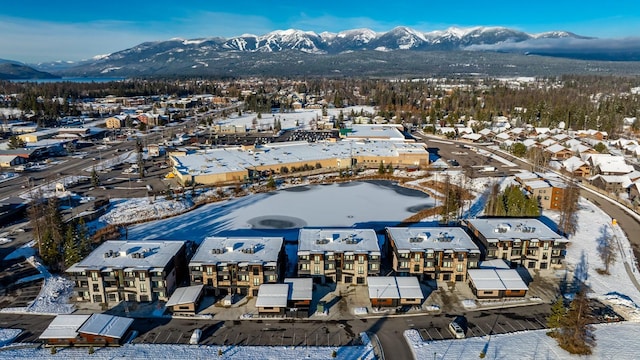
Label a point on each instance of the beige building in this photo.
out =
(226, 165)
(433, 253)
(526, 242)
(129, 270)
(237, 265)
(338, 255)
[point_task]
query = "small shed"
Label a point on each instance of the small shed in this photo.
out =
(86, 330)
(272, 298)
(185, 300)
(496, 283)
(300, 294)
(383, 291)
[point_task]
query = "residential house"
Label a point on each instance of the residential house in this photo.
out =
(429, 253)
(558, 152)
(7, 161)
(116, 122)
(338, 255)
(129, 271)
(237, 265)
(615, 184)
(576, 167)
(524, 242)
(607, 164)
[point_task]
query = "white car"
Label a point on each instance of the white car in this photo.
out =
(195, 337)
(456, 329)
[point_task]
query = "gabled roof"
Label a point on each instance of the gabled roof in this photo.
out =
(64, 327)
(549, 142)
(496, 279)
(573, 163)
(556, 148)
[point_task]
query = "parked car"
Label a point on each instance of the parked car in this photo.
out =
(195, 337)
(458, 327)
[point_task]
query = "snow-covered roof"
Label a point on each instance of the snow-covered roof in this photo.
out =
(538, 184)
(623, 180)
(64, 327)
(376, 131)
(185, 295)
(527, 175)
(338, 240)
(300, 288)
(550, 142)
(248, 250)
(429, 239)
(496, 279)
(510, 229)
(529, 143)
(503, 136)
(106, 325)
(233, 159)
(409, 287)
(555, 148)
(383, 287)
(472, 137)
(485, 132)
(133, 255)
(493, 264)
(272, 295)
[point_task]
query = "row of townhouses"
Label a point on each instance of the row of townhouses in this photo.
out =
(152, 270)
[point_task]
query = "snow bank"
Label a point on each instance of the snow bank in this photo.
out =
(162, 351)
(7, 335)
(614, 341)
(127, 211)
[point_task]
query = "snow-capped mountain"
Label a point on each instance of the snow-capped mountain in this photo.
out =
(278, 50)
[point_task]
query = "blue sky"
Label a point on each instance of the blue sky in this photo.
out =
(34, 31)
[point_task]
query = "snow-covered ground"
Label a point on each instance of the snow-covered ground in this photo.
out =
(147, 351)
(614, 341)
(143, 209)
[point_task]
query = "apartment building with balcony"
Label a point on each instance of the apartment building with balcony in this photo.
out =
(338, 255)
(139, 271)
(433, 253)
(237, 265)
(526, 242)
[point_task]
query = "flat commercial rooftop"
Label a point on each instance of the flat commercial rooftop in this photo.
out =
(337, 240)
(106, 325)
(185, 295)
(237, 250)
(133, 255)
(224, 160)
(496, 279)
(412, 239)
(393, 287)
(512, 229)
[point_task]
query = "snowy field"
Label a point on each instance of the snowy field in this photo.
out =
(614, 341)
(146, 351)
(358, 204)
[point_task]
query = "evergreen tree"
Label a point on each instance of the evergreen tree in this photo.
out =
(381, 168)
(70, 248)
(16, 143)
(576, 330)
(554, 320)
(95, 178)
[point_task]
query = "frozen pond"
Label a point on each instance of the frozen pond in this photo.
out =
(281, 213)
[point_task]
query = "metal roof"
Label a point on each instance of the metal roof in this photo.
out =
(300, 288)
(185, 295)
(496, 279)
(272, 295)
(64, 327)
(106, 325)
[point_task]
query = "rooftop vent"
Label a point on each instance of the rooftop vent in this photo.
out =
(445, 237)
(502, 228)
(323, 241)
(217, 251)
(415, 239)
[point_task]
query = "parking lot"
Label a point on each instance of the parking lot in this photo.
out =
(248, 332)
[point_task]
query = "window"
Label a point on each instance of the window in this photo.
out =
(94, 276)
(459, 267)
(348, 266)
(546, 245)
(416, 268)
(473, 264)
(256, 281)
(348, 257)
(304, 266)
(256, 271)
(142, 275)
(491, 253)
(316, 259)
(428, 264)
(416, 257)
(303, 257)
(516, 252)
(328, 266)
(361, 259)
(360, 269)
(404, 264)
(209, 270)
(271, 278)
(374, 257)
(373, 266)
(243, 277)
(316, 270)
(531, 265)
(143, 287)
(97, 298)
(195, 268)
(446, 264)
(460, 257)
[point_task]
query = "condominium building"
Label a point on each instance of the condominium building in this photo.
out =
(527, 242)
(338, 255)
(433, 253)
(237, 265)
(129, 270)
